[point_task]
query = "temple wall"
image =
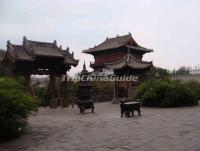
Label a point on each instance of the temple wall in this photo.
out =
(114, 56)
(108, 57)
(137, 55)
(186, 77)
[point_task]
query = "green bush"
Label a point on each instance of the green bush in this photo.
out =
(166, 93)
(195, 87)
(15, 106)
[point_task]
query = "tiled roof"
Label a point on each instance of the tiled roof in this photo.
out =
(69, 58)
(20, 53)
(130, 61)
(117, 42)
(139, 48)
(31, 49)
(110, 43)
(44, 49)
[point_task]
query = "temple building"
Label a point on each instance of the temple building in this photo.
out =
(41, 58)
(36, 57)
(123, 56)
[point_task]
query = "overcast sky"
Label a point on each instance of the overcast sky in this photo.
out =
(170, 27)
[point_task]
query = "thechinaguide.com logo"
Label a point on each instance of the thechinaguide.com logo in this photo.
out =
(102, 78)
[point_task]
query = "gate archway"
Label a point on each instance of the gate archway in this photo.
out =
(41, 58)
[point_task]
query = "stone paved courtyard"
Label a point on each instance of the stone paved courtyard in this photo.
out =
(176, 129)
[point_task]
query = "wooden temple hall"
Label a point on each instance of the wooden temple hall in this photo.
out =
(41, 58)
(123, 56)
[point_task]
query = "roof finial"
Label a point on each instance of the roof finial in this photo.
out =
(129, 33)
(8, 43)
(67, 49)
(84, 66)
(55, 42)
(106, 38)
(24, 38)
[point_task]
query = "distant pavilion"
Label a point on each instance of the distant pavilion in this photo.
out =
(123, 55)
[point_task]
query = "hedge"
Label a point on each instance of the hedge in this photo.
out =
(168, 93)
(15, 106)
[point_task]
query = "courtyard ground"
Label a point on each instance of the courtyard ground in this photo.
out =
(176, 129)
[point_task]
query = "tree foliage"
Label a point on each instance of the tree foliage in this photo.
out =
(15, 106)
(168, 93)
(183, 70)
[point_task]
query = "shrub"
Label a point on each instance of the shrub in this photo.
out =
(15, 106)
(195, 87)
(166, 93)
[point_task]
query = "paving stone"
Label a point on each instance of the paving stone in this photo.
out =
(175, 129)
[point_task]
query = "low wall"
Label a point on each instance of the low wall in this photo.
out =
(186, 77)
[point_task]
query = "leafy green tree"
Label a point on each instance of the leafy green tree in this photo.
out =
(183, 70)
(168, 93)
(15, 106)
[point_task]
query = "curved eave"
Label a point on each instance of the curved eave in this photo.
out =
(141, 49)
(131, 62)
(96, 50)
(74, 63)
(141, 67)
(8, 58)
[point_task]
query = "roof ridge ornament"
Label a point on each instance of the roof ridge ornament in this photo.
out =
(129, 33)
(24, 40)
(67, 49)
(84, 66)
(55, 42)
(8, 43)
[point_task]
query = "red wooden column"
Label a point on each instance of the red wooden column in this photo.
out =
(53, 93)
